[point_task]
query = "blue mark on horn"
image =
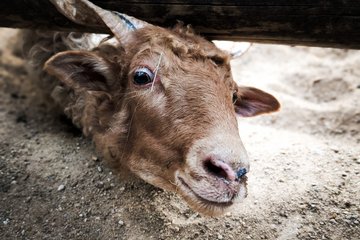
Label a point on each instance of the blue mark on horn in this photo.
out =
(241, 173)
(128, 23)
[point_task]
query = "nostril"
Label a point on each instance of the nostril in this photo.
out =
(219, 169)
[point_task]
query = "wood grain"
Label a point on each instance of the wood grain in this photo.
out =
(323, 23)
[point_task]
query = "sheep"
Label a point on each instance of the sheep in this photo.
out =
(158, 103)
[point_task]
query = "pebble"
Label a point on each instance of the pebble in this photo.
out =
(99, 169)
(219, 236)
(347, 221)
(99, 184)
(6, 221)
(121, 223)
(95, 158)
(61, 187)
(283, 214)
(108, 186)
(334, 149)
(333, 221)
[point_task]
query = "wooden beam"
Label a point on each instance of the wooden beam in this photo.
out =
(323, 23)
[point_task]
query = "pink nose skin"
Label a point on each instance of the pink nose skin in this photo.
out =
(221, 169)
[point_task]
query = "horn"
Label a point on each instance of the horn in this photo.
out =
(86, 13)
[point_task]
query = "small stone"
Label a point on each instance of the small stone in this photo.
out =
(107, 186)
(333, 221)
(99, 184)
(13, 182)
(6, 221)
(334, 149)
(347, 221)
(121, 223)
(61, 188)
(99, 169)
(95, 158)
(283, 214)
(219, 236)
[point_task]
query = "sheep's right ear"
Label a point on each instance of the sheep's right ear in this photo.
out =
(80, 70)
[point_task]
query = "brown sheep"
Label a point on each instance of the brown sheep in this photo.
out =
(158, 103)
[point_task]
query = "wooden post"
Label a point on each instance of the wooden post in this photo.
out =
(334, 23)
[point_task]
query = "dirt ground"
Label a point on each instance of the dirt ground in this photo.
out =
(305, 169)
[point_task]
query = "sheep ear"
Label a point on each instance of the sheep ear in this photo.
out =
(80, 70)
(252, 101)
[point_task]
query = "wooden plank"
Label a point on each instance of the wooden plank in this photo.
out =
(333, 23)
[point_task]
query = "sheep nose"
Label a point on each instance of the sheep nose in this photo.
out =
(220, 169)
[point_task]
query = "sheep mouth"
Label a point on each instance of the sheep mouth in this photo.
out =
(206, 201)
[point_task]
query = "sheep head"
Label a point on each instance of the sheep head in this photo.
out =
(162, 105)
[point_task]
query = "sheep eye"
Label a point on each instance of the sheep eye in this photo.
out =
(143, 76)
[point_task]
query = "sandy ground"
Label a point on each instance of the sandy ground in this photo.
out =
(305, 174)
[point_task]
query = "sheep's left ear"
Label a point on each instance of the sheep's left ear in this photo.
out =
(252, 101)
(81, 70)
